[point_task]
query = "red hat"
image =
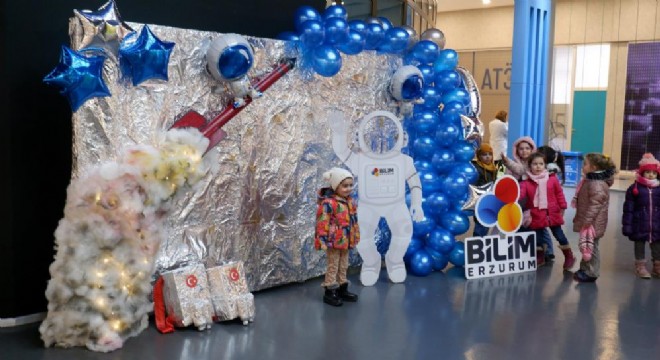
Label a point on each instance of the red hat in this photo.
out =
(648, 163)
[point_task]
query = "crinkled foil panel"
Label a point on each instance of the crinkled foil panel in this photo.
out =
(259, 205)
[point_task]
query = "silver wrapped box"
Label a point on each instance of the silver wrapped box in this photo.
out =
(229, 293)
(187, 297)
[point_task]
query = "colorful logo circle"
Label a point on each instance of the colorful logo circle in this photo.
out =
(500, 208)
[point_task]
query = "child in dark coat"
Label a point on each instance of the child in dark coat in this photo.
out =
(641, 215)
(487, 174)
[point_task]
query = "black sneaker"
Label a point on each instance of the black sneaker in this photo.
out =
(581, 276)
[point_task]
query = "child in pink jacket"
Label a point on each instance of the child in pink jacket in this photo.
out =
(543, 199)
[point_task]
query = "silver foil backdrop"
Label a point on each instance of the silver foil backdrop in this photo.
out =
(259, 205)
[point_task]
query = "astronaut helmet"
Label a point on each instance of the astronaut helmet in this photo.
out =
(380, 135)
(407, 84)
(229, 57)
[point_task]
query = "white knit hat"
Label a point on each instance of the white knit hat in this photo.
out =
(335, 176)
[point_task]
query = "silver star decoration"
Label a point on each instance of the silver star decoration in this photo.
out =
(475, 193)
(103, 28)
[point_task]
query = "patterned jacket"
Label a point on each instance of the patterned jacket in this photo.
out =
(592, 202)
(336, 221)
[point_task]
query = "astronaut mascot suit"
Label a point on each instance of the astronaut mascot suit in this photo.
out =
(381, 170)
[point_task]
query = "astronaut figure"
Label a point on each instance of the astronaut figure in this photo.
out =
(382, 171)
(229, 58)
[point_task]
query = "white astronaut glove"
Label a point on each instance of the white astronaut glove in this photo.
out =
(337, 122)
(415, 185)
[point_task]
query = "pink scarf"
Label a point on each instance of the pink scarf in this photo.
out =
(541, 196)
(646, 182)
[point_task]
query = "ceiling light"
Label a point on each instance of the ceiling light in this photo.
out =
(486, 2)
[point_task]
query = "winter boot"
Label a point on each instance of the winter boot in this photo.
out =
(569, 259)
(346, 295)
(640, 269)
(331, 297)
(656, 268)
(540, 257)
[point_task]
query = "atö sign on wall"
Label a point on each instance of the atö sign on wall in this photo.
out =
(492, 255)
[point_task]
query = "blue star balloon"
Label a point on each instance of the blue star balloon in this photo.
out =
(102, 26)
(145, 58)
(79, 77)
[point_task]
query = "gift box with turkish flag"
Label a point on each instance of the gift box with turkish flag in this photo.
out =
(186, 297)
(229, 293)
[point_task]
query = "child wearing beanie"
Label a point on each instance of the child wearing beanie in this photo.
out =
(487, 174)
(641, 219)
(337, 231)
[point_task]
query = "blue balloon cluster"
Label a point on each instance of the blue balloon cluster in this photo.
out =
(322, 38)
(442, 159)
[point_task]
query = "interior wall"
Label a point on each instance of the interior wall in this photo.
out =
(36, 134)
(577, 22)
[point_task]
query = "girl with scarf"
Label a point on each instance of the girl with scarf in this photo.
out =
(641, 215)
(487, 174)
(544, 203)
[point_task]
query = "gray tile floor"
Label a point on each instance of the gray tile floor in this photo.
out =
(541, 315)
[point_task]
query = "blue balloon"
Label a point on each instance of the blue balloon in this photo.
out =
(431, 97)
(385, 23)
(446, 60)
(439, 260)
(312, 33)
(443, 160)
(455, 107)
(145, 58)
(79, 77)
(326, 60)
(412, 87)
(440, 240)
(396, 40)
(374, 37)
(437, 203)
(383, 236)
(446, 80)
(424, 147)
(451, 117)
(288, 36)
(428, 73)
(456, 222)
(422, 165)
(336, 31)
(463, 151)
(431, 182)
(354, 45)
(422, 228)
(446, 134)
(425, 52)
(425, 121)
(414, 245)
(358, 26)
(457, 256)
(455, 185)
(335, 11)
(468, 170)
(420, 263)
(305, 13)
(456, 95)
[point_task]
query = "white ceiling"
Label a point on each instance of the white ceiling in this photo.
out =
(455, 5)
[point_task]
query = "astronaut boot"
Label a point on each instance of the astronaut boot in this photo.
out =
(255, 94)
(396, 268)
(370, 262)
(238, 102)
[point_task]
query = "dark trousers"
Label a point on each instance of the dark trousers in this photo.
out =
(640, 250)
